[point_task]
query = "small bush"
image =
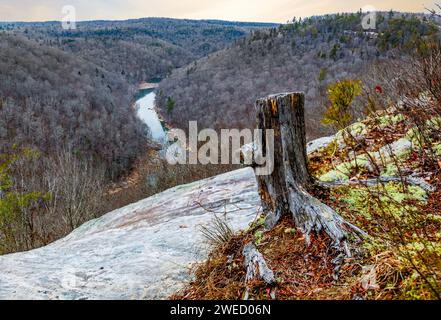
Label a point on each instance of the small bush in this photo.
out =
(341, 97)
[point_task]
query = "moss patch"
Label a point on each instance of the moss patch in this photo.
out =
(437, 149)
(390, 197)
(344, 171)
(390, 120)
(402, 224)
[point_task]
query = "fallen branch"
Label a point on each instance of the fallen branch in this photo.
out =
(256, 266)
(419, 182)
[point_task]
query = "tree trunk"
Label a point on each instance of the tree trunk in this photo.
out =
(284, 191)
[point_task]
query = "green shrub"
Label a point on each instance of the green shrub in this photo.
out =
(14, 222)
(341, 96)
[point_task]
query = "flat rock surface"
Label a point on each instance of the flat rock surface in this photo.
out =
(319, 144)
(142, 251)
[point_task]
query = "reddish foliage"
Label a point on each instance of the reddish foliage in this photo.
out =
(379, 89)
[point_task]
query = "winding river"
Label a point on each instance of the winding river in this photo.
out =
(145, 106)
(147, 113)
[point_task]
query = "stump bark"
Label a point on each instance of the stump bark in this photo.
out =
(284, 192)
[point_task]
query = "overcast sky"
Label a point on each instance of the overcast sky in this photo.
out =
(239, 10)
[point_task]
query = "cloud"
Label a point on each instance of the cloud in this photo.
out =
(242, 10)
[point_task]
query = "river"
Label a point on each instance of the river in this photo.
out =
(147, 113)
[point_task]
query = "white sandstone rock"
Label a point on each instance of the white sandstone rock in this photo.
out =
(142, 251)
(319, 144)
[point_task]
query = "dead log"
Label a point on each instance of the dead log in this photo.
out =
(257, 269)
(256, 266)
(415, 181)
(284, 191)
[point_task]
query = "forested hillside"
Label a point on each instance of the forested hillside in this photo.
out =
(68, 129)
(306, 55)
(141, 50)
(72, 88)
(55, 101)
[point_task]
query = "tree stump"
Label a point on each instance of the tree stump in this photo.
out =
(285, 190)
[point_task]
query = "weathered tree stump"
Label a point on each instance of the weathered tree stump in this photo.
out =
(284, 192)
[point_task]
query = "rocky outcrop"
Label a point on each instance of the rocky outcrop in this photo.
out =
(142, 251)
(319, 144)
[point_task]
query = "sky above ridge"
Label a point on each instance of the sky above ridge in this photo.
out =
(238, 10)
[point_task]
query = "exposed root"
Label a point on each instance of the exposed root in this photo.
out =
(311, 215)
(271, 219)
